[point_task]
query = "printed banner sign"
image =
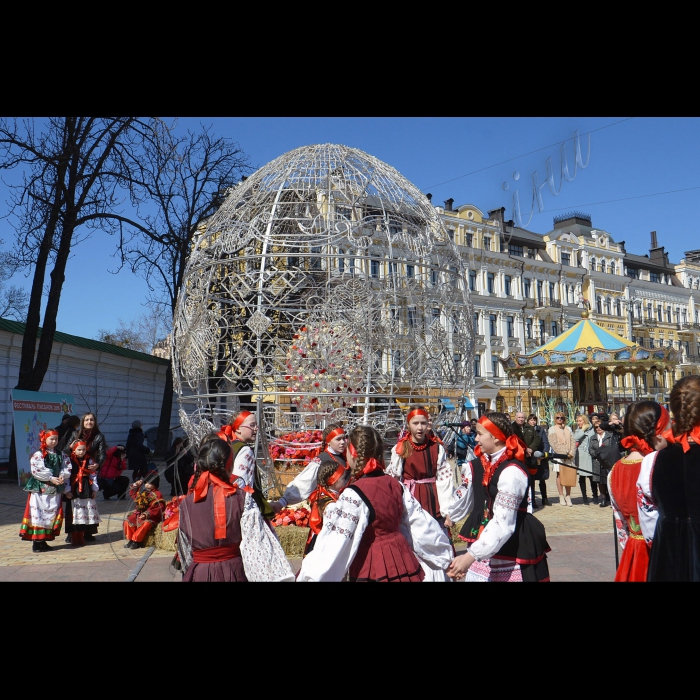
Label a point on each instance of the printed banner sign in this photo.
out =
(34, 411)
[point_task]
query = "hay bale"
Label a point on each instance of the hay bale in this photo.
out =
(165, 540)
(293, 539)
(454, 531)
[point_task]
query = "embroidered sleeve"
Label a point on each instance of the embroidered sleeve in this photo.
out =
(395, 467)
(462, 501)
(427, 539)
(512, 488)
(303, 485)
(444, 481)
(244, 465)
(344, 523)
(620, 522)
(646, 508)
(39, 470)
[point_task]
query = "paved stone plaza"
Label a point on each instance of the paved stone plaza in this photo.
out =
(581, 538)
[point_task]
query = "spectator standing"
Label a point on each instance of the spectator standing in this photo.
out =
(533, 442)
(604, 450)
(465, 443)
(180, 467)
(542, 473)
(561, 440)
(583, 434)
(136, 452)
(65, 438)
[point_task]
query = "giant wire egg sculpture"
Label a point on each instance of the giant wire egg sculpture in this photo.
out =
(325, 282)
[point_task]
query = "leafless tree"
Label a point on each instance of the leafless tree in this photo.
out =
(186, 177)
(97, 403)
(142, 334)
(74, 178)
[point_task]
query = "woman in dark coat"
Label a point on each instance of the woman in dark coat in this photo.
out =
(136, 452)
(89, 433)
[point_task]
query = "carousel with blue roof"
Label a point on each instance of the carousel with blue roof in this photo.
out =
(581, 359)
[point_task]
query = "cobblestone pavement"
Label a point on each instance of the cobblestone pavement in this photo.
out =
(581, 538)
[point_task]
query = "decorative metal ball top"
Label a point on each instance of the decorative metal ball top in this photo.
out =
(325, 281)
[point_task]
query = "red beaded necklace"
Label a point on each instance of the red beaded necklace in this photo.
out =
(418, 448)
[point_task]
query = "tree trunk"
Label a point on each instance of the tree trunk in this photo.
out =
(166, 409)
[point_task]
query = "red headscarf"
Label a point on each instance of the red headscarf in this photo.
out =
(515, 449)
(635, 442)
(43, 435)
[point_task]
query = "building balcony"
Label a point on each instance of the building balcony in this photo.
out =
(690, 359)
(548, 303)
(689, 326)
(496, 340)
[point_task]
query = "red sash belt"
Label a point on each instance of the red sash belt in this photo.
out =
(211, 554)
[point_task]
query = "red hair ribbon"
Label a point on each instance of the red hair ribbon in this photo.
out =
(417, 412)
(315, 519)
(515, 447)
(221, 490)
(43, 436)
(226, 433)
(370, 465)
(635, 442)
(334, 434)
(78, 443)
(239, 420)
(342, 468)
(683, 437)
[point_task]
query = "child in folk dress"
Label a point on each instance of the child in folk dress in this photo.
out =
(43, 514)
(150, 507)
(376, 530)
(332, 478)
(81, 496)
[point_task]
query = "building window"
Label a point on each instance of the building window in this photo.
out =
(541, 324)
(436, 314)
(592, 264)
(551, 290)
(633, 272)
(492, 324)
(654, 277)
(487, 242)
(470, 239)
(434, 278)
(341, 261)
(490, 282)
(472, 280)
(456, 358)
(599, 305)
(507, 282)
(540, 293)
(527, 287)
(684, 316)
(343, 212)
(618, 307)
(651, 343)
(566, 259)
(516, 250)
(555, 329)
(668, 314)
(531, 253)
(659, 316)
(477, 365)
(410, 271)
(607, 307)
(392, 268)
(528, 328)
(476, 323)
(510, 326)
(374, 267)
(650, 313)
(613, 270)
(494, 367)
(451, 233)
(411, 317)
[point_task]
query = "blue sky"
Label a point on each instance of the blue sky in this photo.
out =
(642, 176)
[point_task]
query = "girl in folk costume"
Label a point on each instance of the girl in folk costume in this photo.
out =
(332, 478)
(240, 434)
(507, 542)
(644, 423)
(218, 521)
(419, 461)
(81, 503)
(561, 441)
(150, 506)
(376, 530)
(668, 491)
(43, 514)
(335, 441)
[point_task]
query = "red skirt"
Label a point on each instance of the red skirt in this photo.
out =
(634, 561)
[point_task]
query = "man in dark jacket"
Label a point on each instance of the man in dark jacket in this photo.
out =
(136, 452)
(533, 442)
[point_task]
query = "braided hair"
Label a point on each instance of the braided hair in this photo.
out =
(502, 422)
(641, 419)
(368, 443)
(685, 404)
(212, 457)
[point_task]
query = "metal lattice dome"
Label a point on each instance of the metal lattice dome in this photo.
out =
(326, 281)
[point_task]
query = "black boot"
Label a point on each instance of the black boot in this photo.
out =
(594, 490)
(543, 493)
(582, 484)
(36, 546)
